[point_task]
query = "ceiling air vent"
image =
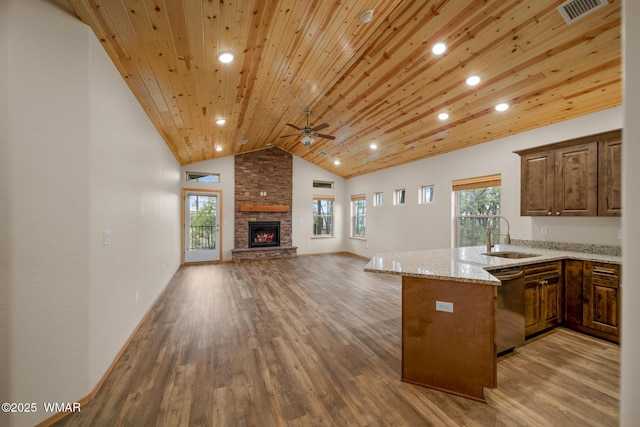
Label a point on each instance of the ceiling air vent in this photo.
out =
(572, 10)
(244, 141)
(324, 153)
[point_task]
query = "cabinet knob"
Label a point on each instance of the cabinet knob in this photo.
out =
(548, 212)
(557, 213)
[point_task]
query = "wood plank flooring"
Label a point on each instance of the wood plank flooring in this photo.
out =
(315, 341)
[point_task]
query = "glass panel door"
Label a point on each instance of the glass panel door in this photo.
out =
(202, 227)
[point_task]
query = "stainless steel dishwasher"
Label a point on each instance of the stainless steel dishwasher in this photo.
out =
(510, 324)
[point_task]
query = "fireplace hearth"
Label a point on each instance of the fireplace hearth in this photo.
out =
(264, 234)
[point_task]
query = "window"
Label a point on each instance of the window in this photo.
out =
(203, 177)
(377, 199)
(476, 200)
(398, 197)
(358, 214)
(425, 194)
(322, 184)
(323, 216)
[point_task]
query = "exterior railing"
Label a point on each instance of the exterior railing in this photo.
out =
(202, 237)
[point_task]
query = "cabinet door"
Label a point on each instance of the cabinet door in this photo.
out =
(610, 177)
(601, 309)
(532, 321)
(537, 184)
(573, 292)
(550, 303)
(576, 180)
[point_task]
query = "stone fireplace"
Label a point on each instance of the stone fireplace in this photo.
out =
(263, 197)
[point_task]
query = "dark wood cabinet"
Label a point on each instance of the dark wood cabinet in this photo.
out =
(592, 298)
(601, 298)
(579, 177)
(537, 183)
(576, 180)
(543, 296)
(610, 177)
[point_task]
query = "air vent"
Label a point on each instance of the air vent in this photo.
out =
(572, 10)
(324, 153)
(244, 141)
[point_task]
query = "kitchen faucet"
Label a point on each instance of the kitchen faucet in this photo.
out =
(507, 238)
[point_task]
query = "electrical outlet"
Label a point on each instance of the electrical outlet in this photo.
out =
(544, 231)
(620, 234)
(107, 237)
(444, 306)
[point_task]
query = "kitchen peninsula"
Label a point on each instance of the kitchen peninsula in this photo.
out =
(449, 311)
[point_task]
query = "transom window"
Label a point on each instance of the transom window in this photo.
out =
(425, 194)
(398, 197)
(378, 199)
(202, 177)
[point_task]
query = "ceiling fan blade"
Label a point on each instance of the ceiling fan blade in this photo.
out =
(293, 134)
(324, 136)
(320, 127)
(293, 126)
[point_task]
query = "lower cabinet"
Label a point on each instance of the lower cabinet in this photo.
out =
(542, 296)
(601, 295)
(592, 298)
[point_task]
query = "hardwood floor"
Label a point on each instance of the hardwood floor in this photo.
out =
(315, 341)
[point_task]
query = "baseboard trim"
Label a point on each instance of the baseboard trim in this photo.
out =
(88, 398)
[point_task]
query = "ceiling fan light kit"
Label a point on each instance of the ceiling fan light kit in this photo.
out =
(307, 132)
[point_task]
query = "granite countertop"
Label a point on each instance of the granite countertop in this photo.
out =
(469, 264)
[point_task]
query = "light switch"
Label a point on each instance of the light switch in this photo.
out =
(107, 237)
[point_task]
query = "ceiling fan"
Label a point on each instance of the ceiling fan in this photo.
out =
(309, 132)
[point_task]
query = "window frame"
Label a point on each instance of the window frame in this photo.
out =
(488, 181)
(399, 196)
(421, 194)
(188, 177)
(358, 216)
(378, 198)
(330, 217)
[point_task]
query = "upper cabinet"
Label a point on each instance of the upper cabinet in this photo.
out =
(579, 177)
(610, 177)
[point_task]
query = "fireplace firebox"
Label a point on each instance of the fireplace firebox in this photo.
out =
(264, 233)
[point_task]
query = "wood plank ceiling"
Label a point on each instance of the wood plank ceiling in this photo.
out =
(371, 82)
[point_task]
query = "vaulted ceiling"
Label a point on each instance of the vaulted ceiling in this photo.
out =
(375, 82)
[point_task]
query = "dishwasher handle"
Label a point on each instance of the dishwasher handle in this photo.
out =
(504, 276)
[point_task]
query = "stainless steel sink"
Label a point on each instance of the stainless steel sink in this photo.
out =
(511, 255)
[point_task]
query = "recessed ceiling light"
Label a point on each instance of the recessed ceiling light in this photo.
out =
(218, 147)
(473, 80)
(366, 16)
(336, 162)
(221, 121)
(439, 48)
(373, 145)
(443, 116)
(226, 57)
(502, 107)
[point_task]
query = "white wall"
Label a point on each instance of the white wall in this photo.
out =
(630, 375)
(81, 157)
(411, 226)
(304, 173)
(134, 193)
(5, 251)
(225, 167)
